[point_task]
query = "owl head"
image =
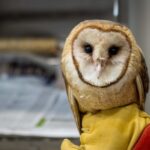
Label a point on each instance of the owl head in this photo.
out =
(101, 60)
(101, 57)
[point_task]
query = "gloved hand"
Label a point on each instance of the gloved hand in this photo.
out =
(115, 129)
(67, 145)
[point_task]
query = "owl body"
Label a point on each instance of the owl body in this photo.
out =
(113, 90)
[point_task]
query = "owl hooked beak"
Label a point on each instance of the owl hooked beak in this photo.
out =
(100, 64)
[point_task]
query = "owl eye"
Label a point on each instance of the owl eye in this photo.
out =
(113, 50)
(88, 48)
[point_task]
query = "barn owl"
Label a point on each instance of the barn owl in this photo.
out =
(103, 68)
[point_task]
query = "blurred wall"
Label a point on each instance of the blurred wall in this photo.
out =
(139, 22)
(48, 17)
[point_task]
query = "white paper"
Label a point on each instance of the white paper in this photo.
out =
(25, 101)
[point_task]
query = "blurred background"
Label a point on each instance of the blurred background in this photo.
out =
(34, 113)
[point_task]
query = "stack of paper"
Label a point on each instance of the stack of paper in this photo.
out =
(30, 107)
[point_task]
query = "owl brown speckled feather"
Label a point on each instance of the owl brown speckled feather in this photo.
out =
(103, 67)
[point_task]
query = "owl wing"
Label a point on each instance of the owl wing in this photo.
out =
(74, 105)
(142, 82)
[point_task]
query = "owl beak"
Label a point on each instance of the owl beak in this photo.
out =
(100, 64)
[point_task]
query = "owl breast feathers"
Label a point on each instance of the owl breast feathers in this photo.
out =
(103, 67)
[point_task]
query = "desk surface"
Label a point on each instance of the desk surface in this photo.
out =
(30, 107)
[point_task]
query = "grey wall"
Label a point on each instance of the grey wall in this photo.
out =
(139, 22)
(49, 17)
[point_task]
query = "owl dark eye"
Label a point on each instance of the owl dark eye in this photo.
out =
(113, 50)
(88, 48)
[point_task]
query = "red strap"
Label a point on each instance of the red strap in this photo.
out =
(143, 142)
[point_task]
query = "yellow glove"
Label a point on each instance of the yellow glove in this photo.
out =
(67, 145)
(115, 129)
